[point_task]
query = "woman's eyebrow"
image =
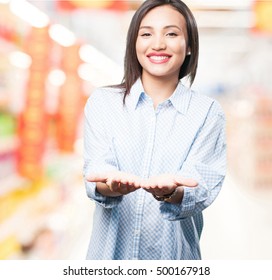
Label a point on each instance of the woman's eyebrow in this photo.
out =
(146, 27)
(172, 26)
(165, 27)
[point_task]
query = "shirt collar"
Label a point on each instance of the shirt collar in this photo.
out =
(136, 91)
(180, 98)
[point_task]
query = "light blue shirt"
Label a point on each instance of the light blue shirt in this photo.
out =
(184, 135)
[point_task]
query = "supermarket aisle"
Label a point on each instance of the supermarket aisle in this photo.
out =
(238, 225)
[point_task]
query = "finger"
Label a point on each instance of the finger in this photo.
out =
(131, 188)
(144, 183)
(133, 181)
(137, 183)
(122, 188)
(127, 178)
(124, 181)
(187, 182)
(97, 178)
(154, 182)
(115, 186)
(128, 186)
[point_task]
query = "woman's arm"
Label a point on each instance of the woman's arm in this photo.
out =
(99, 156)
(205, 163)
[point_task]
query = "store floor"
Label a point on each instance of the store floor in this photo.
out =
(238, 225)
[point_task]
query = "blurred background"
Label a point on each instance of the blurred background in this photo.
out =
(54, 53)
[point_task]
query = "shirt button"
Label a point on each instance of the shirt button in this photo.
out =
(137, 232)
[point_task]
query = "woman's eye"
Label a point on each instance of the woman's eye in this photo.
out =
(172, 34)
(145, 34)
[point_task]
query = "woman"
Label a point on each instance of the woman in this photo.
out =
(154, 149)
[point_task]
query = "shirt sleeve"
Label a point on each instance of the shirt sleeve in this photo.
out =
(99, 155)
(206, 163)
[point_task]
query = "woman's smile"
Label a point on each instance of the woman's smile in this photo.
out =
(158, 58)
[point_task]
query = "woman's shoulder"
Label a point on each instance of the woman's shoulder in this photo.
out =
(199, 97)
(206, 102)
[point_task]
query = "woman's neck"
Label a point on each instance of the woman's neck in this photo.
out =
(159, 89)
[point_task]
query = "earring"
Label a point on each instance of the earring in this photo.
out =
(188, 53)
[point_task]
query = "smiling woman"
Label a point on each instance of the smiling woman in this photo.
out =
(185, 18)
(161, 49)
(154, 150)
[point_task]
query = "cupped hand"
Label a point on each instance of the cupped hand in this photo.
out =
(165, 184)
(117, 181)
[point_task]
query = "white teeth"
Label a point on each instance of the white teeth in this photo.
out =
(159, 58)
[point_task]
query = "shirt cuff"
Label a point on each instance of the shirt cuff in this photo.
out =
(104, 201)
(180, 211)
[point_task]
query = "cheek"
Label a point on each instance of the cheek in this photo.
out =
(138, 49)
(140, 46)
(180, 47)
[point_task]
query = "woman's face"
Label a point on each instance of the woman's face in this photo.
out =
(161, 43)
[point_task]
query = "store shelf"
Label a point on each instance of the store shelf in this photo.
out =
(47, 218)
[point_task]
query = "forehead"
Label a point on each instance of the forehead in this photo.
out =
(163, 16)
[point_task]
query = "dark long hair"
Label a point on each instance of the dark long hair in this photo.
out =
(132, 67)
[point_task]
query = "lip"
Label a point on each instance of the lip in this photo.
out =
(159, 58)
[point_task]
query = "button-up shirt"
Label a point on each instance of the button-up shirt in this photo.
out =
(184, 135)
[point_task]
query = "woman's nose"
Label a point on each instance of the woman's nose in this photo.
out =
(158, 44)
